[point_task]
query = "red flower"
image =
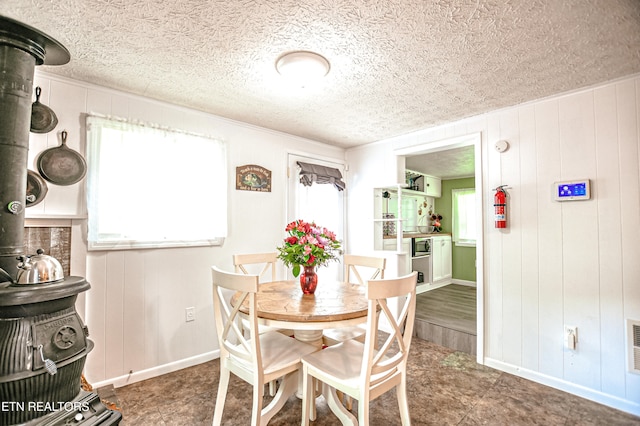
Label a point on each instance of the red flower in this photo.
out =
(291, 226)
(311, 260)
(291, 240)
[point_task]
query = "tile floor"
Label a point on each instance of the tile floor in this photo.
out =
(446, 388)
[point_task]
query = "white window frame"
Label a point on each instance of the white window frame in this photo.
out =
(153, 187)
(458, 239)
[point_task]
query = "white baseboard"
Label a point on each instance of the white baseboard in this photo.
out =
(464, 282)
(628, 406)
(150, 373)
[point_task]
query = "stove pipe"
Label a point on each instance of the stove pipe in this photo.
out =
(21, 49)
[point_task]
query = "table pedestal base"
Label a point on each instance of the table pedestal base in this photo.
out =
(312, 337)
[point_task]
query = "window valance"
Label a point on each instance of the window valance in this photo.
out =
(310, 173)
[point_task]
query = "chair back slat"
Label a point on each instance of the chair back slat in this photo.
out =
(355, 264)
(267, 261)
(390, 358)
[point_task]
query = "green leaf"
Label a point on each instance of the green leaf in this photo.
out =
(296, 270)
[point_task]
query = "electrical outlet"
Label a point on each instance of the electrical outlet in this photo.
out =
(190, 314)
(571, 336)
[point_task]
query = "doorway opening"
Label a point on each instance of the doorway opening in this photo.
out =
(319, 203)
(452, 159)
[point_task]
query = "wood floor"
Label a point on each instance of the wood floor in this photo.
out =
(447, 316)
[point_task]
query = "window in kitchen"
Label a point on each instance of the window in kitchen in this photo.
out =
(153, 187)
(464, 216)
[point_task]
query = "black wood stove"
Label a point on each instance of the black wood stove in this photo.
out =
(43, 341)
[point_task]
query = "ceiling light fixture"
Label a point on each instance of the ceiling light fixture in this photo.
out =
(302, 66)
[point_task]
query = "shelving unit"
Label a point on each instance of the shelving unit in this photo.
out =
(421, 187)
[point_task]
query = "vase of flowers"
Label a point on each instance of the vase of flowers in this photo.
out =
(436, 222)
(307, 246)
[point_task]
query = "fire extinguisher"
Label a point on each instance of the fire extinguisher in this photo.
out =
(500, 205)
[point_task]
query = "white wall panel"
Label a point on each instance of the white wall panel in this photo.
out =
(133, 310)
(115, 319)
(96, 317)
(607, 196)
(629, 137)
(547, 163)
(579, 238)
(493, 241)
(528, 217)
(511, 239)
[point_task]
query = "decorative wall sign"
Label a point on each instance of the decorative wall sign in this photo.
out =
(251, 177)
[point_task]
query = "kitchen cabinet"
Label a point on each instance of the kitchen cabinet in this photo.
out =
(441, 259)
(431, 186)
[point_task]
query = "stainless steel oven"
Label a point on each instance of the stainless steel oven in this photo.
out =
(420, 247)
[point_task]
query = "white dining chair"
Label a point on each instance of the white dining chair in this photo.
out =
(264, 266)
(358, 369)
(354, 267)
(258, 359)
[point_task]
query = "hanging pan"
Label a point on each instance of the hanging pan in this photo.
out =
(62, 165)
(43, 119)
(36, 188)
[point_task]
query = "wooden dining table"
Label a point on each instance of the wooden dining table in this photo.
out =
(334, 304)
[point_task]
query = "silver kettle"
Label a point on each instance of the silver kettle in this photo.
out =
(38, 269)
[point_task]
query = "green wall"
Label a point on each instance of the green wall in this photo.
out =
(463, 258)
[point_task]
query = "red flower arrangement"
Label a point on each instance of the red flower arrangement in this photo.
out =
(308, 245)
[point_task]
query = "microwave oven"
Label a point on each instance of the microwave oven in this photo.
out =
(420, 247)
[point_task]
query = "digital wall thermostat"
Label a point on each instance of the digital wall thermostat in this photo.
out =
(573, 190)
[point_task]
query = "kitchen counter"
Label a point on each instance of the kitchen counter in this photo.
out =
(416, 235)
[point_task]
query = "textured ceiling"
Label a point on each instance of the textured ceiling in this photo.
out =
(447, 164)
(396, 66)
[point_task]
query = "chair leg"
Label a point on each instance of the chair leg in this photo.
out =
(256, 405)
(403, 403)
(307, 391)
(363, 410)
(222, 396)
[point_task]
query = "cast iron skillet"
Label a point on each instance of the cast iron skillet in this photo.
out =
(36, 188)
(62, 165)
(43, 119)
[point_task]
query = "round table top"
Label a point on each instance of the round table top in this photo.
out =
(332, 301)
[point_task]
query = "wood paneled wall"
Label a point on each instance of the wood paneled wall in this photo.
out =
(570, 263)
(135, 309)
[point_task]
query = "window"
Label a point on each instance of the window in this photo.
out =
(153, 187)
(464, 216)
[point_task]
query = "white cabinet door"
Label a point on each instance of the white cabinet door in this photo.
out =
(433, 186)
(441, 257)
